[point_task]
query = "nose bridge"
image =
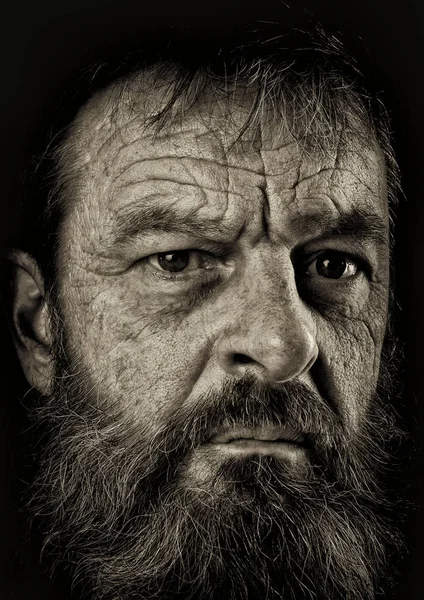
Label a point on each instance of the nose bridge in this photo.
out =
(273, 292)
(272, 332)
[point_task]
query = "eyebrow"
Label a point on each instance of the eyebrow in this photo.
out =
(129, 224)
(364, 225)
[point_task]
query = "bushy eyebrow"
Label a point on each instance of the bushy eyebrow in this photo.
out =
(159, 218)
(364, 225)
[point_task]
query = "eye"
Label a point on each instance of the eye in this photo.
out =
(332, 265)
(177, 261)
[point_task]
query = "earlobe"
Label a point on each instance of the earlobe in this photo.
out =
(31, 322)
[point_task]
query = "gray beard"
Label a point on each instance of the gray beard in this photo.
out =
(121, 515)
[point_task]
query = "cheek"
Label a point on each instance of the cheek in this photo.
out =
(135, 358)
(350, 351)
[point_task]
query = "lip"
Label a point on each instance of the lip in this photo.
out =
(282, 450)
(269, 435)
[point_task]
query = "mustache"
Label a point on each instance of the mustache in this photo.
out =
(155, 456)
(250, 404)
(335, 453)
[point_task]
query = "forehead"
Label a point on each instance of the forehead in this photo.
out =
(197, 165)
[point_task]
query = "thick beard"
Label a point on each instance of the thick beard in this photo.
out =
(121, 512)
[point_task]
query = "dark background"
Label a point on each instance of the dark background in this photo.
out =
(41, 43)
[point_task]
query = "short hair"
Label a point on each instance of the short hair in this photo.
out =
(304, 77)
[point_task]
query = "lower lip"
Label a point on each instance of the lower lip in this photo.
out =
(245, 447)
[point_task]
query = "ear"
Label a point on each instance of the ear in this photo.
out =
(30, 322)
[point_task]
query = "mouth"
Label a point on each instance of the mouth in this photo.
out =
(280, 442)
(261, 434)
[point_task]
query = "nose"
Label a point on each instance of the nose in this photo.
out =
(273, 340)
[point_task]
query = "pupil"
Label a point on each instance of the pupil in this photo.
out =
(173, 262)
(331, 265)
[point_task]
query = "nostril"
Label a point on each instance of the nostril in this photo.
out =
(242, 359)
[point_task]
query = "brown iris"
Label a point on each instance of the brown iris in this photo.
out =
(173, 262)
(331, 265)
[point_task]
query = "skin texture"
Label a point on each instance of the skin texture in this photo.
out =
(159, 340)
(252, 306)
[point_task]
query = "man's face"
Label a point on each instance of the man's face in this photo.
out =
(224, 308)
(184, 265)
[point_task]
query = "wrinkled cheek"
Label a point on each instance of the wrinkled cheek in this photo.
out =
(138, 364)
(349, 368)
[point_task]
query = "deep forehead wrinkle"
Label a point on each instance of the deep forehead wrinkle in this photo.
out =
(171, 174)
(212, 169)
(135, 184)
(186, 157)
(190, 171)
(203, 145)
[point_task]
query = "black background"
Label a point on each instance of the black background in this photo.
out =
(41, 43)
